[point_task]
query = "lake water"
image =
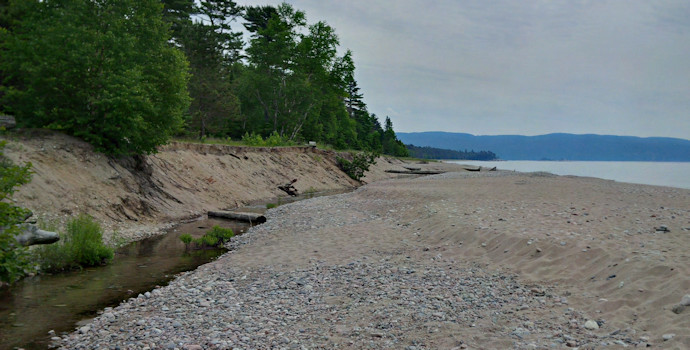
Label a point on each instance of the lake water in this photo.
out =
(649, 173)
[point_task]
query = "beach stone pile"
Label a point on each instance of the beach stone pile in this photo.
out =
(274, 291)
(391, 302)
(363, 304)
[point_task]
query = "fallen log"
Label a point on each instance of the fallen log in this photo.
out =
(289, 188)
(415, 172)
(478, 169)
(247, 217)
(30, 234)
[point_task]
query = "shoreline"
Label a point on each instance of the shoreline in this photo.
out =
(668, 174)
(466, 260)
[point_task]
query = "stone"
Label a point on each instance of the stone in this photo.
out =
(686, 300)
(668, 336)
(591, 325)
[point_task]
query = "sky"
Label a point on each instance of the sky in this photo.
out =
(527, 67)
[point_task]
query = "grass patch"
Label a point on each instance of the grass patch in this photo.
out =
(80, 246)
(215, 237)
(271, 205)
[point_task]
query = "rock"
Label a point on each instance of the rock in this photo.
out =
(591, 325)
(668, 336)
(84, 330)
(686, 300)
(678, 309)
(662, 228)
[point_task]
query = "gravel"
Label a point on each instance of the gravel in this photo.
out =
(383, 301)
(362, 304)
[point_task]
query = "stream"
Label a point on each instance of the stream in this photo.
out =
(34, 306)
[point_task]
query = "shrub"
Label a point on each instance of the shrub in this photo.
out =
(253, 139)
(186, 238)
(212, 238)
(14, 259)
(271, 205)
(80, 246)
(359, 164)
(209, 241)
(273, 140)
(220, 233)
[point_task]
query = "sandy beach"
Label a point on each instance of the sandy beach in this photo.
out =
(490, 260)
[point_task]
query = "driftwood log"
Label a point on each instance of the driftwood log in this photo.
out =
(470, 169)
(415, 172)
(239, 216)
(29, 234)
(289, 188)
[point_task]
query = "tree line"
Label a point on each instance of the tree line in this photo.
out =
(440, 153)
(127, 75)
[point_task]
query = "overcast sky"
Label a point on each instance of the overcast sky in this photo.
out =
(530, 67)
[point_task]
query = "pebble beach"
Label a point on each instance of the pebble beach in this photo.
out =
(489, 260)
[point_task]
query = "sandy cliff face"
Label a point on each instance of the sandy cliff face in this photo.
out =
(134, 196)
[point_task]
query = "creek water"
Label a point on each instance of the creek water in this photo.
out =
(32, 307)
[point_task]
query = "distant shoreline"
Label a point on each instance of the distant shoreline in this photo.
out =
(671, 174)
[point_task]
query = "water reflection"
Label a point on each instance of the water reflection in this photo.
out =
(34, 306)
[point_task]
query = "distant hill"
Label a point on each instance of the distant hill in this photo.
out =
(427, 152)
(559, 146)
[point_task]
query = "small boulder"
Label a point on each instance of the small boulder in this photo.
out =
(591, 325)
(668, 336)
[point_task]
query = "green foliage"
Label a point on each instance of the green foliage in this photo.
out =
(440, 153)
(212, 238)
(100, 70)
(220, 233)
(271, 205)
(252, 139)
(14, 259)
(209, 241)
(360, 163)
(107, 71)
(80, 246)
(186, 238)
(274, 140)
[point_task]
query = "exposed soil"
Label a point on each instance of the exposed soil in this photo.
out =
(135, 197)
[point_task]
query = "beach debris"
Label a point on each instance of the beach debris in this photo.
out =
(415, 172)
(289, 188)
(662, 228)
(239, 216)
